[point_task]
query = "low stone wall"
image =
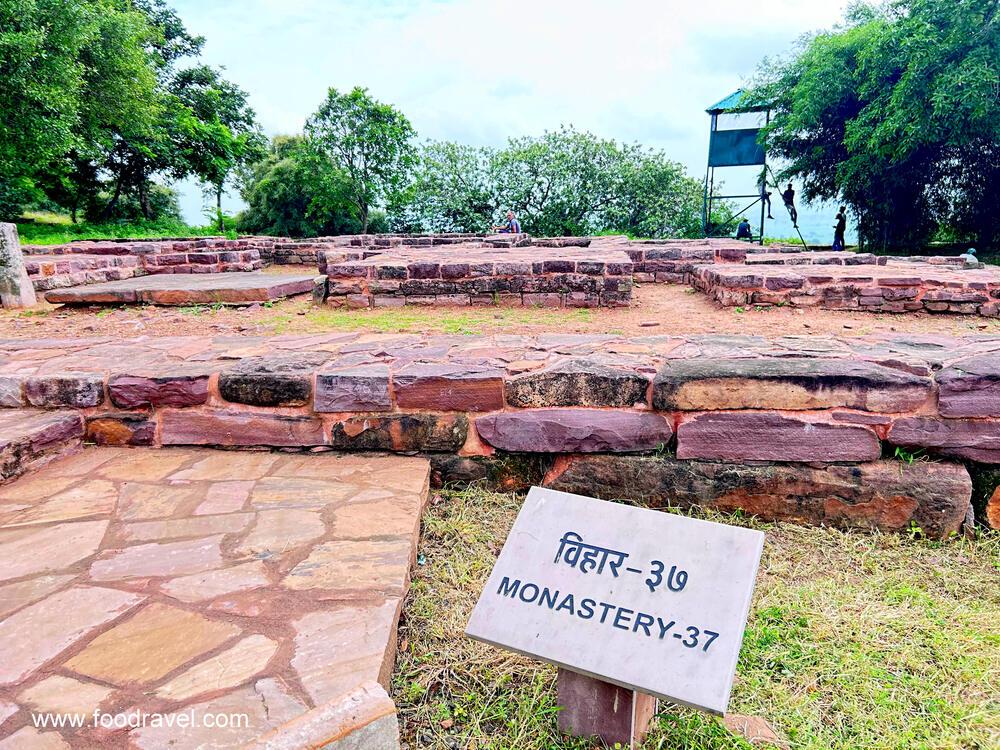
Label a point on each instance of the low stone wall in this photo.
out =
(895, 287)
(794, 427)
(98, 261)
(477, 275)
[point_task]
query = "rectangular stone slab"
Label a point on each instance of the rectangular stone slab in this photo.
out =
(667, 620)
(187, 289)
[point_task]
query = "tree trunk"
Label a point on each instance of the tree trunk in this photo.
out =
(106, 212)
(218, 208)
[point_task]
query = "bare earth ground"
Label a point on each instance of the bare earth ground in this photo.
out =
(658, 309)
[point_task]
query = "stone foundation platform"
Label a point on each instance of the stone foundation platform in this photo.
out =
(896, 287)
(478, 275)
(708, 407)
(186, 289)
(193, 582)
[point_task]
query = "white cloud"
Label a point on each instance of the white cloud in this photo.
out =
(480, 71)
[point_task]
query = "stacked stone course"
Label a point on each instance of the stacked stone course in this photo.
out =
(738, 408)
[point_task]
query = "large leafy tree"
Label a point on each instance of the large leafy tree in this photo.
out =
(295, 191)
(897, 113)
(564, 182)
(95, 103)
(371, 142)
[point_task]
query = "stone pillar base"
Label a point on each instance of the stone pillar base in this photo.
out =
(593, 708)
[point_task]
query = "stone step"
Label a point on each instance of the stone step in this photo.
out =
(31, 437)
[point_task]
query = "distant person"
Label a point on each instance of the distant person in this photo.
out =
(513, 226)
(840, 228)
(743, 231)
(765, 195)
(789, 198)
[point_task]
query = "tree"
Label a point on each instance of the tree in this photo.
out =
(370, 141)
(897, 114)
(41, 76)
(223, 133)
(564, 182)
(452, 190)
(295, 191)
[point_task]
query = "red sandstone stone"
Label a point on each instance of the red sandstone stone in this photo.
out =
(132, 391)
(238, 428)
(763, 436)
(448, 387)
(575, 431)
(966, 438)
(354, 389)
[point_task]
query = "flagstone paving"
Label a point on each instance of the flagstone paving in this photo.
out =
(176, 580)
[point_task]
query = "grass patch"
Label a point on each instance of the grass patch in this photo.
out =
(854, 641)
(439, 320)
(46, 228)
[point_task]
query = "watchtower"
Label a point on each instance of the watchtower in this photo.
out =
(734, 142)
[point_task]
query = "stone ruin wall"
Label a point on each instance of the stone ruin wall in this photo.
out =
(798, 429)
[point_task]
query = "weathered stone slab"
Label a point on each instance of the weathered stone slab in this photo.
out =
(120, 429)
(226, 670)
(135, 391)
(789, 383)
(965, 438)
(402, 432)
(64, 695)
(186, 289)
(43, 630)
(272, 380)
(230, 428)
(575, 430)
(149, 645)
(352, 568)
(970, 388)
(884, 495)
(448, 387)
(28, 436)
(159, 559)
(577, 383)
(65, 544)
(364, 388)
(763, 436)
(78, 390)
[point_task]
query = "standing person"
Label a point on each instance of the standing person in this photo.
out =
(743, 231)
(513, 226)
(840, 228)
(765, 195)
(789, 198)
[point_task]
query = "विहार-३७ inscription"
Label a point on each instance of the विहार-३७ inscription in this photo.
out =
(647, 600)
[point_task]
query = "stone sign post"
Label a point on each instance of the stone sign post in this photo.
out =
(632, 605)
(16, 289)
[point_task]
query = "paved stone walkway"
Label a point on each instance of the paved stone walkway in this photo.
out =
(178, 581)
(187, 289)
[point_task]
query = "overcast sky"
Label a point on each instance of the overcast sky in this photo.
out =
(480, 72)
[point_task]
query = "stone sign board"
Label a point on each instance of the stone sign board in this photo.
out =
(647, 600)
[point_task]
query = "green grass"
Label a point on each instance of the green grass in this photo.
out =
(439, 320)
(46, 228)
(854, 641)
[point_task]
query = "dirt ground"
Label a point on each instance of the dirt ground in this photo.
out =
(657, 309)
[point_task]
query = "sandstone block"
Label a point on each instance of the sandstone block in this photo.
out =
(121, 429)
(134, 391)
(79, 390)
(762, 436)
(965, 438)
(704, 384)
(970, 387)
(577, 382)
(401, 432)
(272, 380)
(233, 428)
(883, 495)
(362, 388)
(575, 430)
(448, 387)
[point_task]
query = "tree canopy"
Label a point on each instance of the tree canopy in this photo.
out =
(897, 114)
(96, 102)
(564, 182)
(367, 140)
